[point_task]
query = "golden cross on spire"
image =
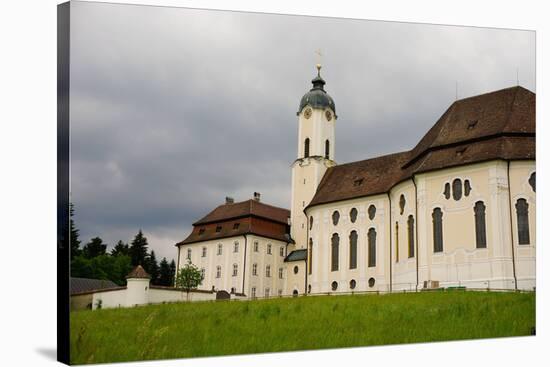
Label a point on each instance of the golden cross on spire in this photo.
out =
(319, 58)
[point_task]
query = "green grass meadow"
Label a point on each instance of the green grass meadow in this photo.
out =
(239, 327)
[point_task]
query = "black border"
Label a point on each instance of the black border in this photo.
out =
(63, 240)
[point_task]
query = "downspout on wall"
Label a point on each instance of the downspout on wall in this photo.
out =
(511, 226)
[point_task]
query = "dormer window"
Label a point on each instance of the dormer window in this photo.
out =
(358, 182)
(201, 231)
(472, 124)
(236, 226)
(460, 151)
(218, 229)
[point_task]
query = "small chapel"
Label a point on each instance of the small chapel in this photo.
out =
(458, 210)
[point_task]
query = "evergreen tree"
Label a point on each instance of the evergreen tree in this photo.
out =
(152, 267)
(94, 248)
(104, 266)
(138, 249)
(74, 234)
(165, 273)
(172, 272)
(121, 249)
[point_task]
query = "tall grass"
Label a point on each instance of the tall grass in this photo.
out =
(221, 328)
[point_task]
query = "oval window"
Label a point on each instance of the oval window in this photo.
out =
(352, 284)
(353, 215)
(533, 181)
(457, 189)
(372, 212)
(447, 191)
(335, 217)
(467, 187)
(334, 285)
(371, 282)
(296, 270)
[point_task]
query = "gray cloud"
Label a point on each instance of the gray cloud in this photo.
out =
(173, 109)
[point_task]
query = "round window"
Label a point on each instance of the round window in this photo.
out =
(296, 269)
(371, 282)
(352, 284)
(334, 285)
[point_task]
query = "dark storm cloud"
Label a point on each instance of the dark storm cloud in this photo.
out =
(173, 109)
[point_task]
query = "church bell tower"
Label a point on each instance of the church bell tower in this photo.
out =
(316, 121)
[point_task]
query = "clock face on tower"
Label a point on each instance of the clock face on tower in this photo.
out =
(307, 113)
(328, 115)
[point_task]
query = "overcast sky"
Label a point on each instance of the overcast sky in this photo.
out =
(174, 109)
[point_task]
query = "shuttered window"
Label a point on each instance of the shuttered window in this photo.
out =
(481, 234)
(335, 243)
(410, 235)
(372, 247)
(437, 218)
(353, 250)
(522, 211)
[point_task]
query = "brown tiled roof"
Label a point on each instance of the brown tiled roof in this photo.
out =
(508, 111)
(139, 273)
(496, 125)
(247, 217)
(362, 178)
(246, 208)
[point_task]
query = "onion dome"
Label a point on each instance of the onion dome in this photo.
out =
(317, 97)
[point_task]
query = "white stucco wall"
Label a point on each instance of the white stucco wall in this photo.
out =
(244, 281)
(460, 263)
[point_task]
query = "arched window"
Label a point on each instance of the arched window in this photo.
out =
(353, 215)
(522, 211)
(437, 218)
(372, 212)
(372, 247)
(310, 255)
(310, 223)
(306, 148)
(327, 149)
(410, 235)
(396, 242)
(335, 243)
(353, 250)
(457, 189)
(481, 236)
(335, 217)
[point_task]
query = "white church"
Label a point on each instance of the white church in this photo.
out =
(458, 210)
